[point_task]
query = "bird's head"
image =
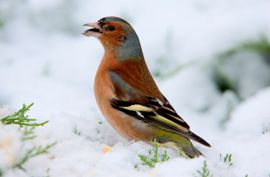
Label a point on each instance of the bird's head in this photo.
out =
(117, 35)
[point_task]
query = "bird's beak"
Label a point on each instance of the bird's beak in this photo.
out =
(94, 30)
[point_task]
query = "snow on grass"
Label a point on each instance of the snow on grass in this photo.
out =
(44, 59)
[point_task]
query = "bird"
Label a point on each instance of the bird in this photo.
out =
(127, 95)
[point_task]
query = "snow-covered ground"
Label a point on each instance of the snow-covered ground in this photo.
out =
(44, 59)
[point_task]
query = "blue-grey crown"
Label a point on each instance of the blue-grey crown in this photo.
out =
(130, 45)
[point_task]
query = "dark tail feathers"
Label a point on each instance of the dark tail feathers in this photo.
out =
(195, 137)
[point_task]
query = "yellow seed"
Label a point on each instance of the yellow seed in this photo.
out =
(153, 174)
(106, 149)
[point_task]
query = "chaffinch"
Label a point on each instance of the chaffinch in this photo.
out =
(128, 96)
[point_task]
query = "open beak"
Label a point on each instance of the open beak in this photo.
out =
(94, 30)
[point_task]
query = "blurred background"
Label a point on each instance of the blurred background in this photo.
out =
(208, 57)
(205, 55)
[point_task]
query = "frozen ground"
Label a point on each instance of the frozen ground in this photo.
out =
(45, 60)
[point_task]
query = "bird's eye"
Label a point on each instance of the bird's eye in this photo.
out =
(109, 28)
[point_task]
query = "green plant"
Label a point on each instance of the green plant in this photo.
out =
(227, 159)
(222, 77)
(262, 46)
(165, 156)
(33, 152)
(204, 172)
(27, 126)
(76, 131)
(20, 118)
(28, 133)
(183, 154)
(223, 83)
(153, 157)
(2, 24)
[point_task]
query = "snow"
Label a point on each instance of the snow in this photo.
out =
(44, 59)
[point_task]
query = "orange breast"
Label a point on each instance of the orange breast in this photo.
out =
(127, 126)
